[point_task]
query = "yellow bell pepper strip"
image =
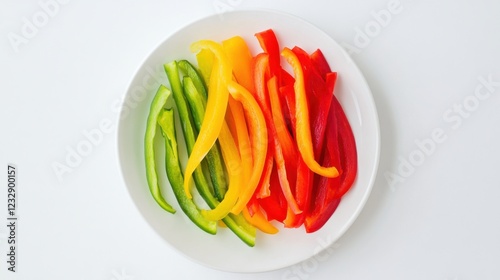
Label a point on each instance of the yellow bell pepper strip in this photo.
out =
(197, 103)
(304, 141)
(241, 60)
(157, 105)
(205, 59)
(216, 107)
(258, 134)
(239, 226)
(234, 167)
(174, 173)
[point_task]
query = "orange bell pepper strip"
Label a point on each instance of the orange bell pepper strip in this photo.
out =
(215, 111)
(284, 137)
(241, 60)
(236, 120)
(261, 65)
(304, 140)
(259, 221)
(258, 139)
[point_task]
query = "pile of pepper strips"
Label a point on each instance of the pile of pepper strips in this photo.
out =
(263, 144)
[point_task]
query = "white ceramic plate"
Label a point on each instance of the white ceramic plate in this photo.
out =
(225, 251)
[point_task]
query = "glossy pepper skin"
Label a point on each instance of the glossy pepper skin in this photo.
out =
(174, 173)
(157, 105)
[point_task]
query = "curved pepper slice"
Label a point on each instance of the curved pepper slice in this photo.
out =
(216, 107)
(174, 173)
(304, 141)
(241, 59)
(258, 133)
(157, 104)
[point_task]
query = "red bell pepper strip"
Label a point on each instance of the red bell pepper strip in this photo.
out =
(275, 205)
(269, 43)
(348, 151)
(319, 61)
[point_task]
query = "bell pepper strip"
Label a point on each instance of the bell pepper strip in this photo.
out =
(320, 63)
(240, 227)
(216, 107)
(317, 216)
(237, 118)
(348, 151)
(174, 173)
(304, 141)
(197, 103)
(188, 69)
(241, 60)
(261, 65)
(260, 221)
(275, 205)
(258, 141)
(263, 186)
(269, 43)
(284, 137)
(232, 160)
(157, 105)
(205, 60)
(304, 181)
(261, 93)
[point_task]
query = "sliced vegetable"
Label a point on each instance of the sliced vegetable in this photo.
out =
(174, 173)
(157, 105)
(258, 131)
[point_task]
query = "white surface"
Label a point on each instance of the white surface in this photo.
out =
(441, 222)
(225, 251)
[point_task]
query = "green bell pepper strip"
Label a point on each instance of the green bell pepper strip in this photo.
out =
(190, 134)
(197, 103)
(157, 105)
(236, 223)
(188, 69)
(174, 173)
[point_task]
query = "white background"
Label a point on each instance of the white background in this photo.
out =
(438, 220)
